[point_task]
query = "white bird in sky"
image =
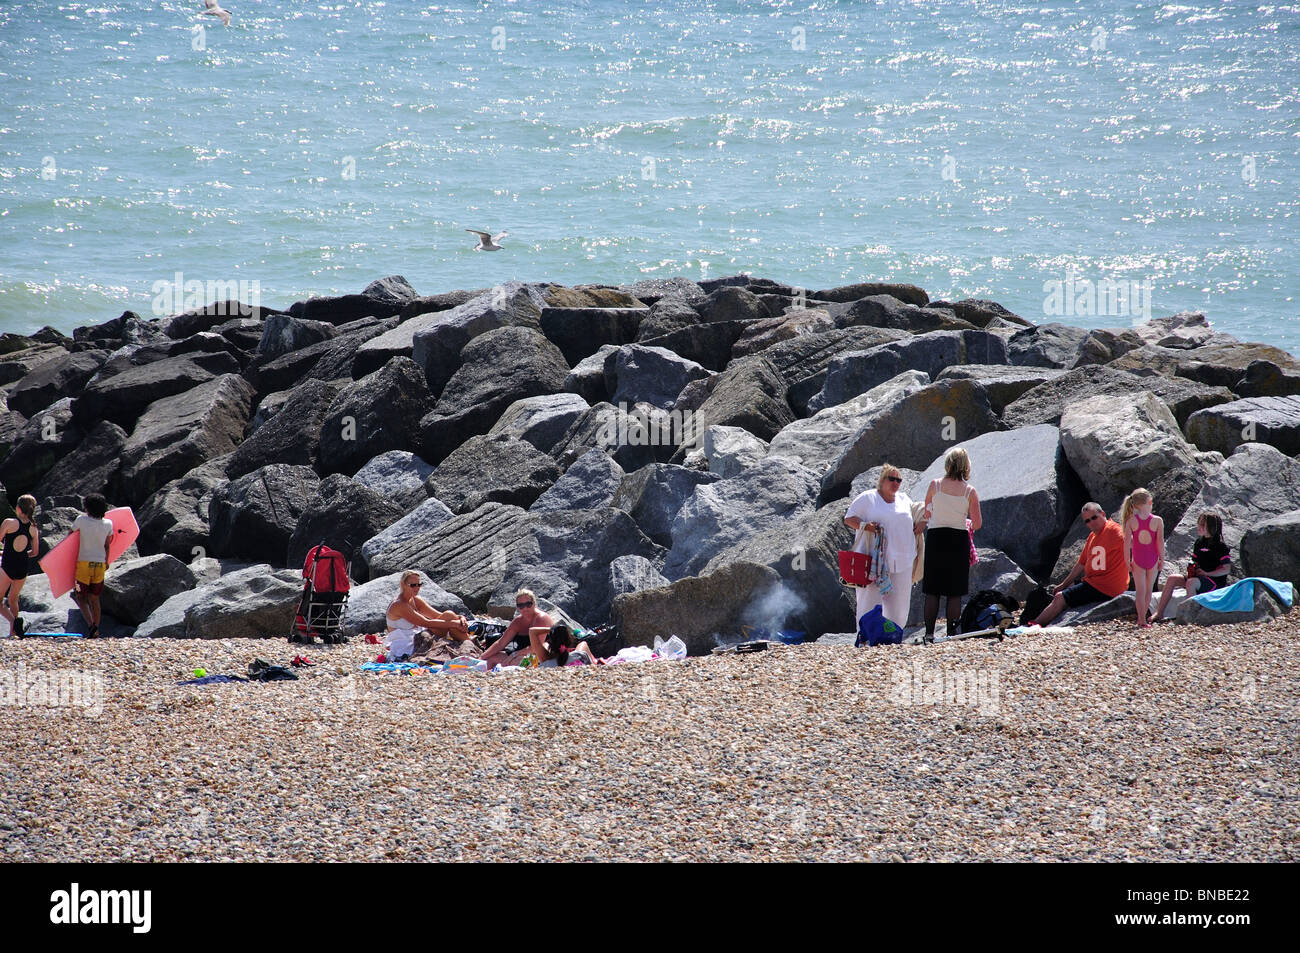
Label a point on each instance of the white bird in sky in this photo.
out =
(487, 242)
(213, 9)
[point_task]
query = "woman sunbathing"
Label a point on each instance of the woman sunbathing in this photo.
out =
(556, 645)
(408, 616)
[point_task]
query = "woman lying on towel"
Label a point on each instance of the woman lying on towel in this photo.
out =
(556, 646)
(416, 628)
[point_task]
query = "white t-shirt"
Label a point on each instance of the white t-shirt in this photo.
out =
(94, 534)
(896, 519)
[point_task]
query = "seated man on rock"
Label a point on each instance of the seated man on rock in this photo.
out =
(528, 618)
(1101, 564)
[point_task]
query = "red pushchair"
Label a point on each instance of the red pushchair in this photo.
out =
(324, 597)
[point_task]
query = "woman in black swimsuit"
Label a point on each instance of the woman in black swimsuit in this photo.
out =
(20, 546)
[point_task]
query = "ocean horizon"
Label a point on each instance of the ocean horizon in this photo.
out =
(1093, 164)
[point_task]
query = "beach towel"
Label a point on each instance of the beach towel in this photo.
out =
(213, 680)
(1240, 596)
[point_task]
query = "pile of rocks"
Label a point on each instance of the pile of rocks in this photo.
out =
(675, 455)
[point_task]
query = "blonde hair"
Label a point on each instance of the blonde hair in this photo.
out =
(1140, 495)
(526, 592)
(888, 470)
(956, 464)
(408, 574)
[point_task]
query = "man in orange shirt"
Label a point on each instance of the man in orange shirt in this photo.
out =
(1101, 564)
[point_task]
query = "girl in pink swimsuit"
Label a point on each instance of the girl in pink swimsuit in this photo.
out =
(1144, 547)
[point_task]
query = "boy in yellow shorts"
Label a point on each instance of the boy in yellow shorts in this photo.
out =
(92, 559)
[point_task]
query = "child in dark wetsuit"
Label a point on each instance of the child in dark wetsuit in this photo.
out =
(1208, 570)
(20, 542)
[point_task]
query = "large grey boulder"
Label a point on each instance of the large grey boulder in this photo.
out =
(634, 438)
(654, 494)
(397, 341)
(587, 378)
(1003, 383)
(589, 484)
(16, 365)
(719, 515)
(368, 603)
(795, 322)
(41, 442)
(1271, 420)
(397, 476)
(912, 431)
(652, 290)
(542, 420)
(1266, 379)
(1046, 345)
(1267, 606)
(666, 316)
(122, 390)
(730, 303)
(1029, 495)
(136, 587)
(344, 515)
(383, 298)
(282, 333)
(1255, 484)
(292, 435)
(1220, 362)
(1186, 329)
(804, 552)
(254, 603)
(255, 516)
(565, 556)
(635, 373)
(175, 519)
(88, 469)
(52, 380)
(818, 441)
(424, 518)
(444, 301)
(1118, 443)
(857, 372)
(700, 610)
(633, 574)
(500, 367)
(910, 294)
(1044, 403)
(437, 347)
(707, 343)
(1102, 346)
(378, 413)
(176, 434)
(1272, 549)
(496, 469)
(215, 316)
(751, 395)
(580, 332)
(886, 311)
(731, 450)
(983, 313)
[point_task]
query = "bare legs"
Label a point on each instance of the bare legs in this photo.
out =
(9, 590)
(1144, 582)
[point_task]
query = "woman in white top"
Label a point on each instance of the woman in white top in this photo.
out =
(408, 614)
(887, 508)
(949, 502)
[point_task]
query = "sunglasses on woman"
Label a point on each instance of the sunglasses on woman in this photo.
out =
(522, 605)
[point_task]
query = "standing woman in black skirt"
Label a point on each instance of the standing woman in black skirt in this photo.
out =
(948, 504)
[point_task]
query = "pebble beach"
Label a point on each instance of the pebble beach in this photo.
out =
(1104, 744)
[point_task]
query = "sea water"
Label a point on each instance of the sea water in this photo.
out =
(1027, 153)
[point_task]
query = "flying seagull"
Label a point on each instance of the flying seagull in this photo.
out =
(212, 9)
(487, 242)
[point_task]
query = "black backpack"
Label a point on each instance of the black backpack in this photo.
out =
(1035, 603)
(986, 609)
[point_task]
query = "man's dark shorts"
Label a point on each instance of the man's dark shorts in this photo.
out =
(1082, 594)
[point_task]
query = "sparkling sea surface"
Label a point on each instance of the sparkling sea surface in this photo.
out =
(977, 149)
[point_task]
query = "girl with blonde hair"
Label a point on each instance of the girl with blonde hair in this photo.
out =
(1144, 548)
